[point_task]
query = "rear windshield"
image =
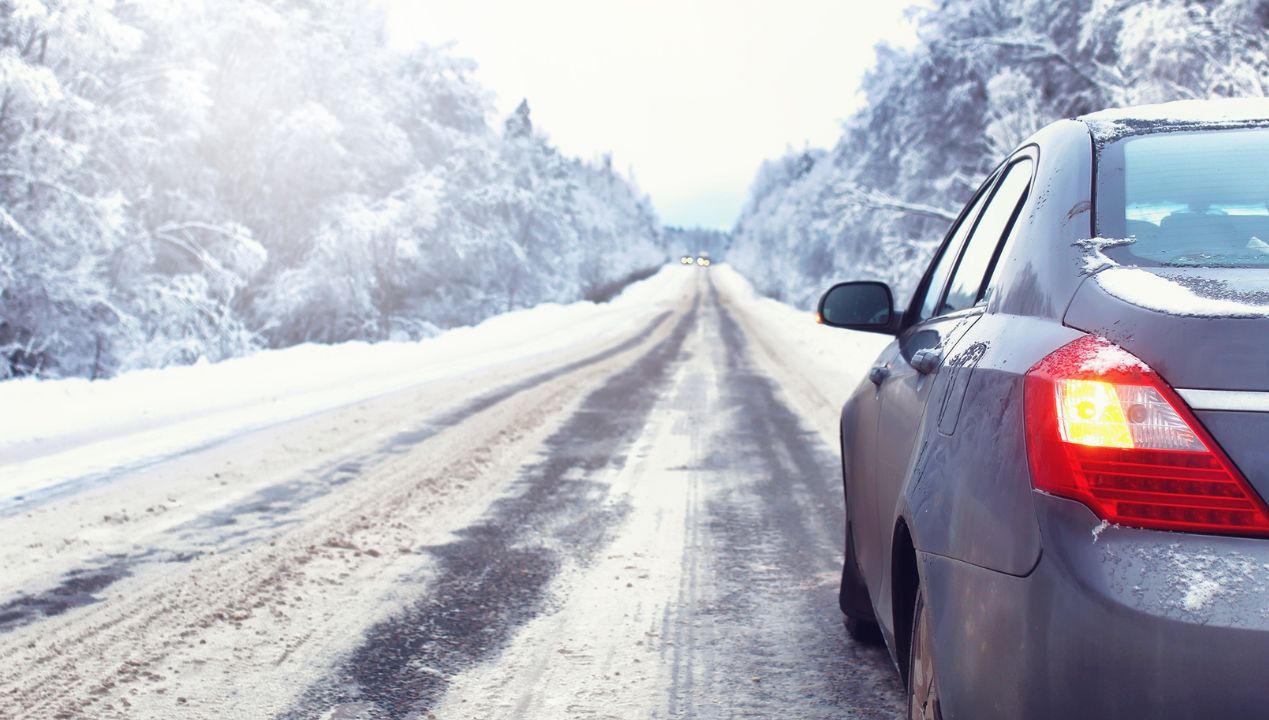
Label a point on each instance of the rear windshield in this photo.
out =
(1188, 199)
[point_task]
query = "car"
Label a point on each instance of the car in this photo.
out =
(1055, 475)
(703, 261)
(687, 260)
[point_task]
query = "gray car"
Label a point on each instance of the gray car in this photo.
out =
(1055, 476)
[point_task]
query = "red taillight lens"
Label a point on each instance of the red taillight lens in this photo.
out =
(1106, 430)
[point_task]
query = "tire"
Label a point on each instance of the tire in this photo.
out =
(854, 602)
(864, 632)
(923, 697)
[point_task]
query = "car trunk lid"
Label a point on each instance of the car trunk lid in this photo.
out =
(1200, 329)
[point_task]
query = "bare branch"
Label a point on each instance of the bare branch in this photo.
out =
(877, 200)
(196, 225)
(12, 223)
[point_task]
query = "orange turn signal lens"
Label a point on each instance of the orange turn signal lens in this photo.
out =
(1090, 413)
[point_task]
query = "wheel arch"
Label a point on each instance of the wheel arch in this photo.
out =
(904, 582)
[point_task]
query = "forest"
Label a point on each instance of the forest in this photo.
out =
(187, 181)
(983, 75)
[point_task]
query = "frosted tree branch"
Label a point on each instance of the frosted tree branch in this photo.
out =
(170, 228)
(1104, 78)
(877, 200)
(49, 184)
(9, 221)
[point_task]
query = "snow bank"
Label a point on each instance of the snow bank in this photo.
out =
(55, 430)
(831, 359)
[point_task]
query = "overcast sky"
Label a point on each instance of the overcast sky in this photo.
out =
(689, 95)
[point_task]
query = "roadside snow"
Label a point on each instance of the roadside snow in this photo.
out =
(842, 357)
(57, 430)
(820, 366)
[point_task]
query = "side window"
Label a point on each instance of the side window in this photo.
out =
(946, 261)
(985, 240)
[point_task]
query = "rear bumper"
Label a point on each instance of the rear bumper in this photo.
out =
(1129, 624)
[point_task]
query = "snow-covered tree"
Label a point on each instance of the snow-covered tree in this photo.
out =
(983, 76)
(279, 175)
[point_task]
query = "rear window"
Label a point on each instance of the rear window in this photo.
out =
(1188, 199)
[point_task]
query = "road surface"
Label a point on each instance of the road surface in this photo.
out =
(640, 527)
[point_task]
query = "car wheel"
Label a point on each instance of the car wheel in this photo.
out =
(853, 600)
(923, 696)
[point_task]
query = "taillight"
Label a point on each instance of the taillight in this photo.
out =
(1106, 430)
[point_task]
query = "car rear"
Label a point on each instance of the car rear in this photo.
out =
(1148, 443)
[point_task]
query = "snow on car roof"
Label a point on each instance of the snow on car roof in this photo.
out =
(1114, 123)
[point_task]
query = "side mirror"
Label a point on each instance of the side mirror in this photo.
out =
(866, 305)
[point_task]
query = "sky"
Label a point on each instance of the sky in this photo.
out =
(689, 97)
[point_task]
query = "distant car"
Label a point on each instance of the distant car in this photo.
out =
(686, 260)
(1055, 476)
(702, 261)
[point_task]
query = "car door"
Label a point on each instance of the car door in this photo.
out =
(897, 386)
(948, 303)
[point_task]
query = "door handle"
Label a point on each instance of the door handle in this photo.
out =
(878, 374)
(927, 360)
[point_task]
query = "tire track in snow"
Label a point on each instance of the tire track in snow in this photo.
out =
(713, 594)
(245, 631)
(270, 509)
(774, 644)
(494, 576)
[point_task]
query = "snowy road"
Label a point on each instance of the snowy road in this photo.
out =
(646, 524)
